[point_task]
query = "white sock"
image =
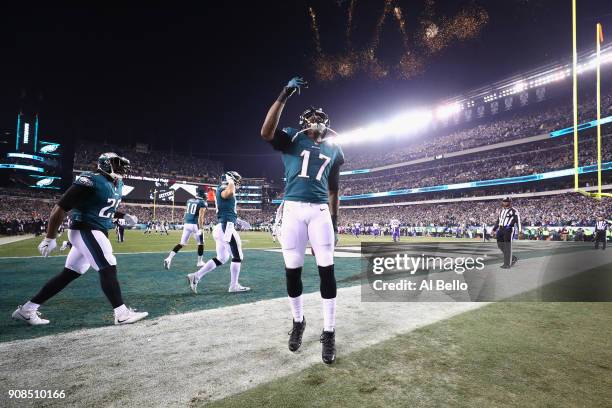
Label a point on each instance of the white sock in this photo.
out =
(29, 306)
(171, 254)
(329, 314)
(235, 272)
(121, 310)
(208, 266)
(297, 308)
(200, 258)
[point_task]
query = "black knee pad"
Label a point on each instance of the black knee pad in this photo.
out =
(328, 282)
(217, 262)
(294, 281)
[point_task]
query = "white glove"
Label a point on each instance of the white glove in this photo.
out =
(200, 232)
(130, 220)
(47, 246)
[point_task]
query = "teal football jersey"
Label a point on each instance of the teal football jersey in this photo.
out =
(97, 209)
(226, 208)
(192, 210)
(307, 167)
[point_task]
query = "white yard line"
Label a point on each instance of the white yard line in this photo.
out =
(14, 238)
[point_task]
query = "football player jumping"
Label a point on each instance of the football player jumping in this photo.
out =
(92, 201)
(227, 240)
(195, 213)
(310, 210)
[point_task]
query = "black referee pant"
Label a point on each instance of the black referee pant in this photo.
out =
(600, 236)
(120, 232)
(504, 243)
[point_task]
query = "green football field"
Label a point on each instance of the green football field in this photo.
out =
(145, 284)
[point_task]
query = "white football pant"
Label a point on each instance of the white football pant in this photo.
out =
(303, 222)
(89, 248)
(188, 231)
(227, 243)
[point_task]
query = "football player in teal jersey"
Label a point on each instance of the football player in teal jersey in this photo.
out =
(193, 224)
(92, 201)
(310, 209)
(227, 240)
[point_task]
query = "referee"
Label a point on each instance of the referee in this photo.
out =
(601, 227)
(508, 220)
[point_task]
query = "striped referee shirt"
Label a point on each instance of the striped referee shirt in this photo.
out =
(601, 225)
(508, 218)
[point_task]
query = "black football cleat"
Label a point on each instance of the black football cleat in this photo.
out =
(505, 266)
(514, 260)
(295, 335)
(328, 349)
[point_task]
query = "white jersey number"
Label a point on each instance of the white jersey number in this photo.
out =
(113, 204)
(306, 155)
(191, 208)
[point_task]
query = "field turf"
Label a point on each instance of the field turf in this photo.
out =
(502, 355)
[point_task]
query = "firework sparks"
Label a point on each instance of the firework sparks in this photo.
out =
(381, 21)
(433, 35)
(467, 24)
(410, 65)
(315, 30)
(397, 11)
(349, 25)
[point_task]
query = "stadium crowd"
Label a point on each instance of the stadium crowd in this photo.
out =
(161, 164)
(555, 210)
(22, 215)
(494, 131)
(517, 160)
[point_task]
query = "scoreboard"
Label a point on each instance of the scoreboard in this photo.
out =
(33, 163)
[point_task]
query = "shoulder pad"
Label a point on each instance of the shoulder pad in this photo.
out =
(85, 179)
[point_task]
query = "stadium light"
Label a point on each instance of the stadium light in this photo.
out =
(403, 124)
(417, 120)
(444, 111)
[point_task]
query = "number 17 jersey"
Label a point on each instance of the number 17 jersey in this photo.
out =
(307, 166)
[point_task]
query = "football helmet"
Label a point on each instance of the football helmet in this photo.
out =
(315, 119)
(201, 192)
(234, 175)
(113, 165)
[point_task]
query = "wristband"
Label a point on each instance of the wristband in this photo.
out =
(285, 94)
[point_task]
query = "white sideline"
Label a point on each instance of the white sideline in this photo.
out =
(208, 354)
(14, 238)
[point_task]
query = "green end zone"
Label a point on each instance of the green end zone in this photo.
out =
(146, 286)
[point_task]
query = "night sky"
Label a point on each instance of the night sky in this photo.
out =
(200, 76)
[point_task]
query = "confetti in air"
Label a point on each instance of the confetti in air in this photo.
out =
(431, 35)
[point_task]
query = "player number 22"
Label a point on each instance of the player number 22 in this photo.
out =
(306, 155)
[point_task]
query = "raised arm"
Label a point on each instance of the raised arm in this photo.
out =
(201, 217)
(271, 122)
(230, 190)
